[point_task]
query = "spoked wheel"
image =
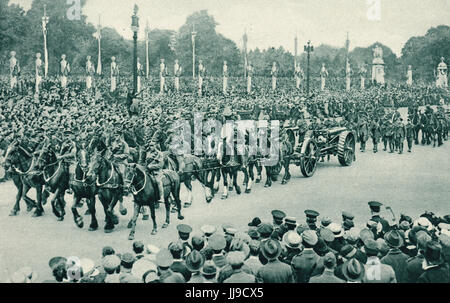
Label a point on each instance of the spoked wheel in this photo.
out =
(309, 158)
(346, 148)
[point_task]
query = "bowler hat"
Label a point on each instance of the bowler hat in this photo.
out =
(195, 261)
(353, 270)
(271, 249)
(393, 238)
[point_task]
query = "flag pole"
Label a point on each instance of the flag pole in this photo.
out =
(45, 20)
(147, 59)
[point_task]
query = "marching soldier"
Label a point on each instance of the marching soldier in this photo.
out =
(410, 134)
(363, 131)
(375, 133)
(400, 134)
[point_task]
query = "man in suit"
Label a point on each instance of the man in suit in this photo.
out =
(306, 264)
(414, 267)
(218, 243)
(236, 260)
(164, 261)
(274, 271)
(436, 270)
(328, 276)
(395, 258)
(178, 265)
(376, 272)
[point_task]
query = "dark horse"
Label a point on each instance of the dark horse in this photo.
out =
(24, 176)
(56, 177)
(83, 187)
(109, 185)
(194, 167)
(230, 166)
(145, 193)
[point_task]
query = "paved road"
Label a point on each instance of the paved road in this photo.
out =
(409, 183)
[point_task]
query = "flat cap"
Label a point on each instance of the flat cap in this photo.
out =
(164, 258)
(208, 230)
(265, 230)
(217, 242)
(127, 258)
(309, 237)
(111, 262)
(347, 216)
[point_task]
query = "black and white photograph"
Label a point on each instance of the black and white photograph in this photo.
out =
(213, 141)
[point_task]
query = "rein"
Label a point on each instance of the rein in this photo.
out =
(28, 171)
(109, 179)
(54, 174)
(133, 189)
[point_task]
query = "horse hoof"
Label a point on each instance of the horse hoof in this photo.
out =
(30, 208)
(60, 219)
(13, 213)
(238, 190)
(115, 220)
(180, 217)
(108, 230)
(165, 225)
(144, 218)
(257, 181)
(187, 205)
(131, 237)
(37, 214)
(247, 191)
(154, 232)
(284, 182)
(123, 212)
(93, 228)
(224, 197)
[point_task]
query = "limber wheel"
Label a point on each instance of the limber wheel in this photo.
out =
(346, 148)
(310, 156)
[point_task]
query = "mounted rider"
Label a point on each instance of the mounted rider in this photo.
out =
(120, 151)
(68, 151)
(174, 147)
(155, 164)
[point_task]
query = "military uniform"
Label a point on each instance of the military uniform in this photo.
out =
(410, 134)
(155, 160)
(400, 134)
(375, 134)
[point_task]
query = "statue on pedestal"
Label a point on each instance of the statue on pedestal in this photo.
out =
(90, 71)
(14, 70)
(274, 74)
(162, 76)
(323, 76)
(409, 78)
(39, 72)
(378, 65)
(139, 74)
(225, 77)
(65, 70)
(177, 74)
(441, 79)
(114, 74)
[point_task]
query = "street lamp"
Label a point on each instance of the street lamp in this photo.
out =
(194, 33)
(308, 49)
(147, 60)
(135, 29)
(45, 20)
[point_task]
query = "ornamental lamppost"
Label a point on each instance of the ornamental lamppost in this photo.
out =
(45, 20)
(308, 49)
(135, 29)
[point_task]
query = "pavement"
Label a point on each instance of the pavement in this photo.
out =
(411, 183)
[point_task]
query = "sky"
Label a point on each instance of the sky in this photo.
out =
(274, 23)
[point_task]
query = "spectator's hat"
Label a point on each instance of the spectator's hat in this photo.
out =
(278, 215)
(111, 262)
(265, 230)
(88, 267)
(255, 222)
(209, 269)
(271, 249)
(231, 231)
(239, 245)
(311, 215)
(290, 222)
(433, 253)
(141, 266)
(347, 216)
(292, 239)
(326, 234)
(353, 270)
(235, 258)
(321, 247)
(423, 222)
(184, 231)
(253, 233)
(336, 229)
(347, 251)
(329, 260)
(127, 258)
(352, 235)
(348, 224)
(393, 239)
(326, 221)
(217, 242)
(375, 206)
(301, 228)
(195, 261)
(55, 261)
(176, 247)
(309, 237)
(365, 234)
(371, 247)
(164, 258)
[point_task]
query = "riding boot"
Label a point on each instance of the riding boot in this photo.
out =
(160, 189)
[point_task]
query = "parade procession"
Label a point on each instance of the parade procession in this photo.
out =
(147, 155)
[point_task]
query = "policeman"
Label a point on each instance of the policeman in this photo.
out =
(375, 208)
